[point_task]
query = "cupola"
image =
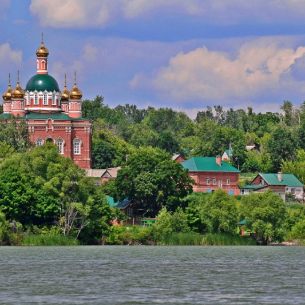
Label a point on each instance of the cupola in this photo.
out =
(7, 95)
(42, 51)
(18, 92)
(65, 92)
(75, 93)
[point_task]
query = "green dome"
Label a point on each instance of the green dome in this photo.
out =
(42, 82)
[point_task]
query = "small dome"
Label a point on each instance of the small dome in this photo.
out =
(75, 93)
(7, 95)
(42, 82)
(18, 92)
(42, 51)
(65, 94)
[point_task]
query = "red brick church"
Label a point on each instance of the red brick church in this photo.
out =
(52, 115)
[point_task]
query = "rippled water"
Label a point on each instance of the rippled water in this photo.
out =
(152, 275)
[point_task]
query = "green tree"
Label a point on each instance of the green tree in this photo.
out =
(153, 179)
(219, 213)
(265, 214)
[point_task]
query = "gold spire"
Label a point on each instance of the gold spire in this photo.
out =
(75, 93)
(65, 92)
(42, 51)
(7, 95)
(18, 92)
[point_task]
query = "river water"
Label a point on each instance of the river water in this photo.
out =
(152, 275)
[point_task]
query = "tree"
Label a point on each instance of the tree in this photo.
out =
(153, 180)
(42, 187)
(265, 213)
(219, 213)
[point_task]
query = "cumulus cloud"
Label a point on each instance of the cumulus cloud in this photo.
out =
(9, 56)
(90, 52)
(96, 13)
(202, 74)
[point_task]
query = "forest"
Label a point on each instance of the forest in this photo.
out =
(46, 199)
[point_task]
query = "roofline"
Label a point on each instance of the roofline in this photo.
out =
(238, 171)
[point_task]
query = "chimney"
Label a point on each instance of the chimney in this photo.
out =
(279, 176)
(218, 160)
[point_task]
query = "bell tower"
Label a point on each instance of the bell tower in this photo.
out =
(42, 58)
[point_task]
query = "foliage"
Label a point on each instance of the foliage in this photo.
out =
(265, 214)
(152, 179)
(219, 213)
(217, 239)
(42, 187)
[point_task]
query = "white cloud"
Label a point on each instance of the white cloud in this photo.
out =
(9, 56)
(96, 13)
(90, 52)
(260, 67)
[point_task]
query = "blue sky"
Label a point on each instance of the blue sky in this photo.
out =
(163, 53)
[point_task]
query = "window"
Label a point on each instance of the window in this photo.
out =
(76, 147)
(43, 65)
(53, 99)
(36, 99)
(214, 180)
(60, 144)
(219, 183)
(45, 99)
(208, 180)
(28, 99)
(228, 181)
(39, 142)
(129, 211)
(243, 192)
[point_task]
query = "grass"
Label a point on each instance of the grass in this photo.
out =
(209, 239)
(49, 240)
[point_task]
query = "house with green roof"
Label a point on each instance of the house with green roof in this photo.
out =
(211, 173)
(227, 155)
(278, 183)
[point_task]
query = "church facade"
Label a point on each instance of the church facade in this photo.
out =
(51, 115)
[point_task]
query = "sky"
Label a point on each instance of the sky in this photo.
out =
(186, 55)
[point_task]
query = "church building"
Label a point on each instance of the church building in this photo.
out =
(52, 115)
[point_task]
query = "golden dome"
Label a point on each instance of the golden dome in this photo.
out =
(18, 92)
(7, 95)
(42, 51)
(75, 93)
(65, 92)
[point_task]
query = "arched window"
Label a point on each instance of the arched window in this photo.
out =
(208, 180)
(43, 65)
(36, 99)
(45, 99)
(53, 99)
(28, 99)
(60, 144)
(39, 142)
(76, 145)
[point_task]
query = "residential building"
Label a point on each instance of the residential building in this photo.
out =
(279, 183)
(212, 173)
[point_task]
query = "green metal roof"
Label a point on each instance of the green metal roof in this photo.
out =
(253, 187)
(42, 82)
(287, 180)
(207, 164)
(110, 200)
(243, 222)
(229, 152)
(45, 116)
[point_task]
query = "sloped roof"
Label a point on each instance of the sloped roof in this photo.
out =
(113, 172)
(124, 203)
(195, 164)
(229, 152)
(110, 200)
(45, 116)
(287, 179)
(253, 187)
